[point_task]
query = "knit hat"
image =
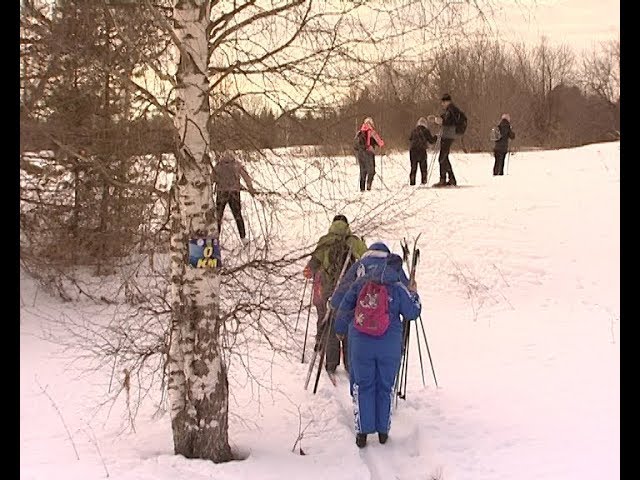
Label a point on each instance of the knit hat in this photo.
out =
(341, 217)
(505, 116)
(446, 98)
(379, 246)
(422, 121)
(369, 121)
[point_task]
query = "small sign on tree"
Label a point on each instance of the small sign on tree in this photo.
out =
(204, 252)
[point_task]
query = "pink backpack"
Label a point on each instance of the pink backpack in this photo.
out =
(372, 310)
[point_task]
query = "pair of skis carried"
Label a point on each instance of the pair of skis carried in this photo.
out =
(327, 326)
(400, 386)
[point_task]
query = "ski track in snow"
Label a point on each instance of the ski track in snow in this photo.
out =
(519, 279)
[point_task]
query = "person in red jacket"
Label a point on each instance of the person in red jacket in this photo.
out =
(366, 140)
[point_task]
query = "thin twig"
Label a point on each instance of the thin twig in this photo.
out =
(35, 296)
(44, 390)
(95, 442)
(301, 431)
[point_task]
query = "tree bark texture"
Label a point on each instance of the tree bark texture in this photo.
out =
(198, 386)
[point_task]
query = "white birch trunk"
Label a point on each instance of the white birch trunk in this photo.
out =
(198, 388)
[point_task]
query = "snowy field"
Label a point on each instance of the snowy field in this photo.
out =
(520, 283)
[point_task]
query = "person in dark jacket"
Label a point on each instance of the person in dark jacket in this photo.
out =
(324, 267)
(375, 359)
(365, 152)
(226, 175)
(419, 141)
(502, 144)
(448, 121)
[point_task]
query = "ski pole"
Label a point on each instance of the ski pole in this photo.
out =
(323, 352)
(433, 160)
(304, 290)
(326, 321)
(403, 362)
(401, 376)
(508, 160)
(420, 356)
(306, 330)
(329, 327)
(428, 352)
(403, 359)
(406, 364)
(405, 251)
(315, 350)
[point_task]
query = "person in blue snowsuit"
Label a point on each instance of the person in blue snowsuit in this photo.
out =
(375, 360)
(374, 259)
(372, 262)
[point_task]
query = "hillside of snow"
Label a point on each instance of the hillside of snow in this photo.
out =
(520, 285)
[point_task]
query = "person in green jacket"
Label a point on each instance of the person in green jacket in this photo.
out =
(324, 267)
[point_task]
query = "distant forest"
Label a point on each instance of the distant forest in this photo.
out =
(555, 99)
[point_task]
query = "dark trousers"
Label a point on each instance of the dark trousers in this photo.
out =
(498, 166)
(443, 159)
(418, 157)
(233, 199)
(367, 163)
(332, 359)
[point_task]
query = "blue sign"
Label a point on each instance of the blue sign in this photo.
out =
(204, 252)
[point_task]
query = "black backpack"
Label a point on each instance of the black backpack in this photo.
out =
(461, 122)
(360, 141)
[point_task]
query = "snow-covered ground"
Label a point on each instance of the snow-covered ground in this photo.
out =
(520, 282)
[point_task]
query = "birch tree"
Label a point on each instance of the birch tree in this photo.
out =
(198, 388)
(295, 54)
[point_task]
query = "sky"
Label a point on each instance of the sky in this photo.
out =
(580, 24)
(577, 23)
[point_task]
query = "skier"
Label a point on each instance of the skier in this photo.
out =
(419, 141)
(365, 141)
(374, 259)
(227, 175)
(372, 262)
(448, 121)
(370, 313)
(324, 266)
(502, 143)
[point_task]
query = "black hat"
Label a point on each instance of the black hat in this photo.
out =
(446, 98)
(342, 218)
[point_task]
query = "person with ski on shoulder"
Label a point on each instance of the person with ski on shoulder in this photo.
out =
(419, 141)
(365, 141)
(502, 134)
(448, 119)
(226, 175)
(324, 268)
(371, 313)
